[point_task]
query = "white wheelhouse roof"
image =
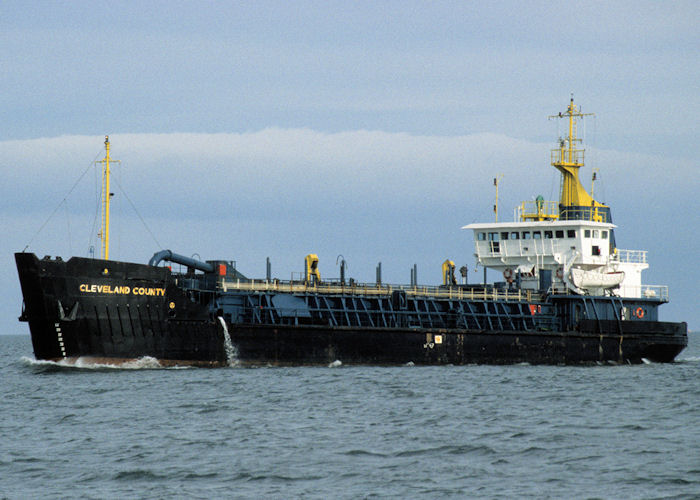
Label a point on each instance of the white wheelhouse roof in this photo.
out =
(539, 224)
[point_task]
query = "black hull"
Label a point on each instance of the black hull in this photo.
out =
(203, 344)
(318, 345)
(77, 310)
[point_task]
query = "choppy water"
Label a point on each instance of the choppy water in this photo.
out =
(348, 432)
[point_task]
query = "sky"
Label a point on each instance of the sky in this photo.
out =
(371, 130)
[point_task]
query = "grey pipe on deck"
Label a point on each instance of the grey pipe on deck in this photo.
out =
(158, 257)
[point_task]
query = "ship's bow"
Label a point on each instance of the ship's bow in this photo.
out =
(39, 294)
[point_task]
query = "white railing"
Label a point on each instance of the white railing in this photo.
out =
(368, 289)
(659, 292)
(655, 291)
(521, 248)
(630, 256)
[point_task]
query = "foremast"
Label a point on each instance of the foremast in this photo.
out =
(106, 195)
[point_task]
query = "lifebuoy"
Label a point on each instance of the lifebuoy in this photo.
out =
(639, 312)
(560, 273)
(508, 274)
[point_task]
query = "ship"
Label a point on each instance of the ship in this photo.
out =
(568, 295)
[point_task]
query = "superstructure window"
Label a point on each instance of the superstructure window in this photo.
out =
(587, 233)
(559, 234)
(548, 235)
(481, 236)
(571, 233)
(595, 233)
(504, 235)
(515, 235)
(604, 235)
(536, 235)
(495, 245)
(526, 235)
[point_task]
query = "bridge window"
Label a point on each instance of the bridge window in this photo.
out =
(604, 235)
(548, 235)
(504, 235)
(571, 233)
(495, 246)
(536, 235)
(587, 233)
(559, 234)
(526, 235)
(515, 235)
(595, 233)
(481, 236)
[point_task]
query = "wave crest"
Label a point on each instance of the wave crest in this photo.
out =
(88, 363)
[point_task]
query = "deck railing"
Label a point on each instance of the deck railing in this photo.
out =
(630, 256)
(537, 210)
(659, 292)
(369, 289)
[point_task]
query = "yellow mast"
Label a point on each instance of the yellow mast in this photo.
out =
(106, 195)
(568, 160)
(496, 181)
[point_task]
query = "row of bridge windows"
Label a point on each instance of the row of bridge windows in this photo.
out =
(538, 235)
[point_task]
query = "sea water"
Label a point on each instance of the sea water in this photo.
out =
(340, 431)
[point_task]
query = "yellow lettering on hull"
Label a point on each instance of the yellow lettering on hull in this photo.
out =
(121, 290)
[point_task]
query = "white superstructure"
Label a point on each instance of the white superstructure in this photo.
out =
(566, 245)
(522, 250)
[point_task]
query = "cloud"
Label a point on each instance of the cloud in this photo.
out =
(285, 165)
(189, 174)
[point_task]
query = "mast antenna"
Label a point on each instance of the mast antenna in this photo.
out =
(569, 158)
